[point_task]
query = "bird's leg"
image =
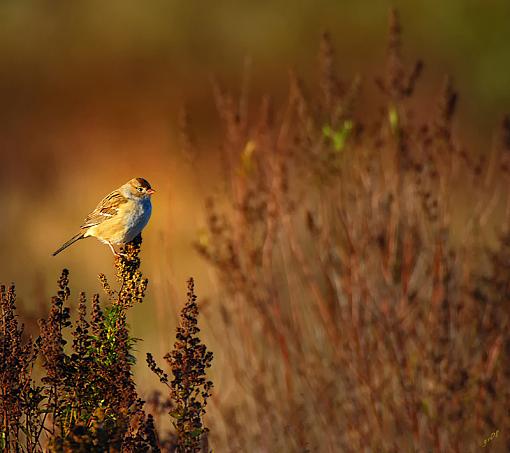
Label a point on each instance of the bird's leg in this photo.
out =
(116, 254)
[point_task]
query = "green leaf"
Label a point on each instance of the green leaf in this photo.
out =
(425, 406)
(247, 157)
(176, 415)
(327, 131)
(339, 137)
(393, 119)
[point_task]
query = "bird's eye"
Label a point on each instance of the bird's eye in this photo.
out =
(140, 189)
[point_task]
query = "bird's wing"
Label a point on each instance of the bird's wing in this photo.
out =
(106, 209)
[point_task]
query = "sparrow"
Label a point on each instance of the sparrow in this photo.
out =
(119, 217)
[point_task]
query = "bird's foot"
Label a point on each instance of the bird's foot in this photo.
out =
(116, 254)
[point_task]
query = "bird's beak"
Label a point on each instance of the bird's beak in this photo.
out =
(150, 191)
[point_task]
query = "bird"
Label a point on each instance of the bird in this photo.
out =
(119, 217)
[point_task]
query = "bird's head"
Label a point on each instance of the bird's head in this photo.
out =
(138, 188)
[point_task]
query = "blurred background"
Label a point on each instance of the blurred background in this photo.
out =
(91, 93)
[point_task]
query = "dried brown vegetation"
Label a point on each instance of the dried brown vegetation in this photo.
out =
(189, 389)
(361, 307)
(86, 400)
(363, 269)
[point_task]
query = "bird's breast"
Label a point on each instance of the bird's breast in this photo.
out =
(136, 217)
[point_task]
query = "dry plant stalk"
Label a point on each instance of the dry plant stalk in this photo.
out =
(360, 307)
(189, 387)
(87, 400)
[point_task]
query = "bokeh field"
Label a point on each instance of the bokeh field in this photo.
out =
(341, 203)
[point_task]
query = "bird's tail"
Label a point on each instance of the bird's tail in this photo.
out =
(69, 242)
